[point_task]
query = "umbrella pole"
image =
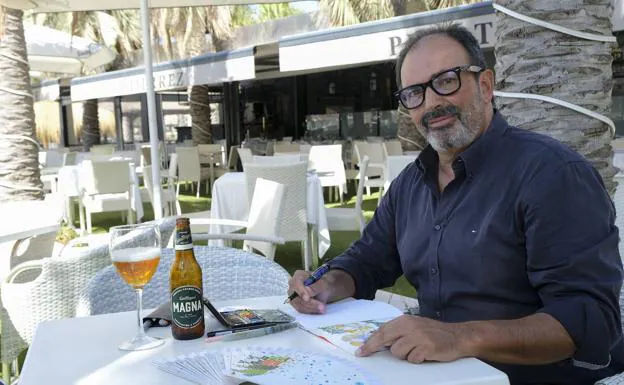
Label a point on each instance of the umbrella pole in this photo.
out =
(151, 111)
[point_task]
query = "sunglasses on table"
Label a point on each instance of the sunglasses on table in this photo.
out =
(443, 83)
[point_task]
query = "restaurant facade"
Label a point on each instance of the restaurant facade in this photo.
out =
(319, 85)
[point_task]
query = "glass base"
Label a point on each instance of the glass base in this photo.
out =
(141, 343)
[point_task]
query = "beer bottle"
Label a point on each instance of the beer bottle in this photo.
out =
(187, 312)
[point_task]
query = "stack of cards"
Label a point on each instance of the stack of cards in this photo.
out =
(262, 365)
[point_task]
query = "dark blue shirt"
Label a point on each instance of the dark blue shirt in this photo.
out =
(526, 226)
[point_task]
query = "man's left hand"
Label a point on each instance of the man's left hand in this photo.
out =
(417, 339)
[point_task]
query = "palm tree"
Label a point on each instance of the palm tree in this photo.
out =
(536, 60)
(276, 11)
(187, 27)
(124, 25)
(19, 163)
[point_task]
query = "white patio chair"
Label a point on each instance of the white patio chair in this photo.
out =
(287, 139)
(69, 158)
(294, 224)
(227, 274)
(246, 156)
(265, 214)
(49, 288)
(376, 165)
(210, 154)
(188, 167)
(394, 165)
(103, 149)
(349, 219)
(168, 197)
(282, 159)
(391, 148)
(231, 164)
(286, 147)
(327, 162)
(105, 187)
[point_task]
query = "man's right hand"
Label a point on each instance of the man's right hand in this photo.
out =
(311, 299)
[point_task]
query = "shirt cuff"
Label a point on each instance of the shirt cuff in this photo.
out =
(586, 324)
(364, 287)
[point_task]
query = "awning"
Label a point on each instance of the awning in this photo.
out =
(212, 68)
(381, 41)
(47, 90)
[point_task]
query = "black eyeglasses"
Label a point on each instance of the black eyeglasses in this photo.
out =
(443, 83)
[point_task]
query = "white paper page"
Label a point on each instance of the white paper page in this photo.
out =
(344, 312)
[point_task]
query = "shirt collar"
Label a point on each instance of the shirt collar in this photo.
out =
(473, 156)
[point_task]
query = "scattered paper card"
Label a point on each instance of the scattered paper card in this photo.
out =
(266, 366)
(350, 336)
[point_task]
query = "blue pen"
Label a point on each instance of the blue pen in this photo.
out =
(314, 277)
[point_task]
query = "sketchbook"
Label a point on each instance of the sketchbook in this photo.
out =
(265, 366)
(347, 324)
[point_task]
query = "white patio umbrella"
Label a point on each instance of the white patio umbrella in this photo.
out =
(95, 5)
(51, 50)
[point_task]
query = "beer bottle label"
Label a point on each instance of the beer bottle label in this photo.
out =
(183, 239)
(186, 306)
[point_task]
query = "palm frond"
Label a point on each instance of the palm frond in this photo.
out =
(340, 12)
(219, 24)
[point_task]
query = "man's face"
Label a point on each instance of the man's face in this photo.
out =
(452, 121)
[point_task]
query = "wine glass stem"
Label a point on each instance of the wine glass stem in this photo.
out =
(139, 297)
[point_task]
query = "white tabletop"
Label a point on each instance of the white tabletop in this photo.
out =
(24, 219)
(83, 351)
(229, 201)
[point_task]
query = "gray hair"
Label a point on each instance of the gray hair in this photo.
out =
(455, 32)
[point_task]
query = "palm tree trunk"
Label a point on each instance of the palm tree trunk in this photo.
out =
(90, 124)
(200, 114)
(19, 162)
(411, 139)
(532, 59)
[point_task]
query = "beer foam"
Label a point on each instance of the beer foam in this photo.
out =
(135, 254)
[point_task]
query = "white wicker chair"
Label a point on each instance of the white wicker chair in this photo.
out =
(294, 225)
(188, 167)
(392, 147)
(265, 214)
(285, 147)
(48, 289)
(375, 173)
(105, 186)
(328, 164)
(349, 219)
(227, 274)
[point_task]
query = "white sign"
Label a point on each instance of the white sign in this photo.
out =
(113, 84)
(369, 48)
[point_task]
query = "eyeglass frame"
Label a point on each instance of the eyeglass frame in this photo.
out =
(457, 70)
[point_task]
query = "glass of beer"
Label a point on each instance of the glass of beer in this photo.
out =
(135, 252)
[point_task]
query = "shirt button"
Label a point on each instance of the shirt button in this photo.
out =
(437, 227)
(434, 271)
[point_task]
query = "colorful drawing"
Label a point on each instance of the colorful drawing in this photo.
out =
(349, 336)
(261, 365)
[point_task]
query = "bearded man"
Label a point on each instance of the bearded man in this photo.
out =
(507, 235)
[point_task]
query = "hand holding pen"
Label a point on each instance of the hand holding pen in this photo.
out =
(308, 292)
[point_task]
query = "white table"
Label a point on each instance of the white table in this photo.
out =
(83, 351)
(229, 201)
(24, 219)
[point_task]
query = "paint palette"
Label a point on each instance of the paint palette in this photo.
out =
(266, 366)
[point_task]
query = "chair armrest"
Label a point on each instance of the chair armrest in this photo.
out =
(239, 237)
(22, 268)
(216, 221)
